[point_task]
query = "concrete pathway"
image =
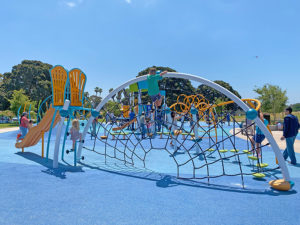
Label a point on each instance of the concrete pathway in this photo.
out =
(8, 129)
(277, 135)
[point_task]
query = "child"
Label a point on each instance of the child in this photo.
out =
(259, 136)
(74, 131)
(30, 124)
(148, 124)
(153, 89)
(94, 127)
(173, 126)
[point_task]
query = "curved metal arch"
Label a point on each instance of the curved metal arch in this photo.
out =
(227, 93)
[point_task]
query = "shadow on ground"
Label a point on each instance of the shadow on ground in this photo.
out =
(59, 172)
(168, 181)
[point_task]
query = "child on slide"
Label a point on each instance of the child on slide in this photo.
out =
(153, 89)
(74, 131)
(30, 124)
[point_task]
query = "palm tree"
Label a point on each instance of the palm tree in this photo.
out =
(100, 91)
(110, 90)
(97, 90)
(119, 96)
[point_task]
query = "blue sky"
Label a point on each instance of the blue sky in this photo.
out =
(112, 40)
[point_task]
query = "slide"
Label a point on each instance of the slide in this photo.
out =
(124, 125)
(35, 133)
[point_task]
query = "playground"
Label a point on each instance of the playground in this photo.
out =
(156, 162)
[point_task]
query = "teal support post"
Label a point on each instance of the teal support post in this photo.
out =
(19, 114)
(75, 153)
(29, 112)
(38, 115)
(65, 138)
(50, 131)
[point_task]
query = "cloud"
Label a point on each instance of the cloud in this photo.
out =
(72, 4)
(128, 1)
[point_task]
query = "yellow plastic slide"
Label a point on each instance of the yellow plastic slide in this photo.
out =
(124, 125)
(35, 133)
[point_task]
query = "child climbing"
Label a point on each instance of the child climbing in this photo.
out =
(173, 128)
(74, 131)
(259, 136)
(153, 88)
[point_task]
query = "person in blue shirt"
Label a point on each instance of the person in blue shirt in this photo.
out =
(290, 131)
(259, 135)
(131, 117)
(228, 118)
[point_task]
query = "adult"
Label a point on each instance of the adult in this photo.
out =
(290, 131)
(107, 117)
(24, 124)
(228, 118)
(94, 127)
(131, 117)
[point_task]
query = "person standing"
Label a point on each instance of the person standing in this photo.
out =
(131, 117)
(23, 126)
(228, 119)
(290, 131)
(142, 124)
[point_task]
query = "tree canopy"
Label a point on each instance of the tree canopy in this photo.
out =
(212, 94)
(273, 98)
(20, 99)
(296, 107)
(32, 76)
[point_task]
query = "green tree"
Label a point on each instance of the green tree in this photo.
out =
(112, 106)
(96, 89)
(119, 96)
(211, 94)
(95, 100)
(20, 99)
(296, 107)
(126, 99)
(4, 103)
(31, 76)
(100, 91)
(172, 86)
(113, 97)
(273, 99)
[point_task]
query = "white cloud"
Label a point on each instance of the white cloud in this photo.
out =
(128, 1)
(71, 4)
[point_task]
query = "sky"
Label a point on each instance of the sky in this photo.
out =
(246, 43)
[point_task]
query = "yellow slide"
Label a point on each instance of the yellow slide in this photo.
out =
(124, 125)
(35, 133)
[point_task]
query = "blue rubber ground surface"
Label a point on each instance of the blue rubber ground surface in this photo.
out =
(98, 193)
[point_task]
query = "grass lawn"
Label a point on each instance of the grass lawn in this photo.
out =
(6, 125)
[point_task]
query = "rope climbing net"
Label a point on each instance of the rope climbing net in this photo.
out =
(193, 134)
